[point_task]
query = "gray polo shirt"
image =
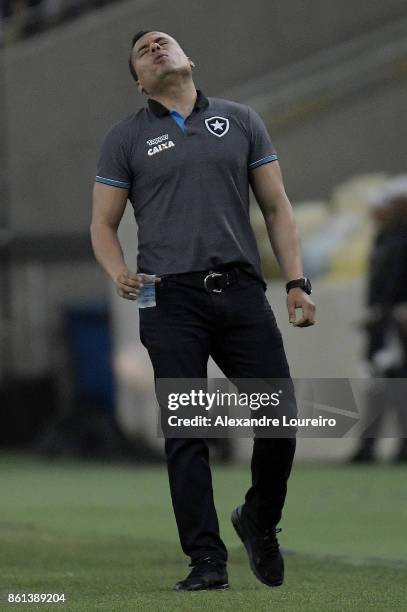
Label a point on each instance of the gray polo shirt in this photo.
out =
(188, 183)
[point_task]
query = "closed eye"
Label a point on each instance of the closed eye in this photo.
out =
(144, 49)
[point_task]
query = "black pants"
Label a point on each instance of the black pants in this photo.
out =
(238, 329)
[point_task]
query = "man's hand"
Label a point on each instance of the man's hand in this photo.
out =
(128, 284)
(297, 298)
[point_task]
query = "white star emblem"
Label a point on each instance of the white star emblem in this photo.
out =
(217, 125)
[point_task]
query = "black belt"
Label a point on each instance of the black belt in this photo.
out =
(211, 281)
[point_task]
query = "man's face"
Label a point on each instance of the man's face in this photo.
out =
(155, 56)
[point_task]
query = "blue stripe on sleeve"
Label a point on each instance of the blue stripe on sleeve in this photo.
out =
(263, 160)
(107, 181)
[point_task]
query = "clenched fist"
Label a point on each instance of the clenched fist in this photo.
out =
(297, 298)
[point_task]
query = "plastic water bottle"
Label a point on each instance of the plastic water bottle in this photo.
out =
(146, 297)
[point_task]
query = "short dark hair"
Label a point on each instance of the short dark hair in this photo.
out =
(133, 42)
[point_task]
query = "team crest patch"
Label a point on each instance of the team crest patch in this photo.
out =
(218, 126)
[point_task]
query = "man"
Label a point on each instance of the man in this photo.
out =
(186, 162)
(385, 323)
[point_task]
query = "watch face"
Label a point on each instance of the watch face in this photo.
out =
(307, 286)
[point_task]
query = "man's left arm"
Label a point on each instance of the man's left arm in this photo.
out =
(268, 188)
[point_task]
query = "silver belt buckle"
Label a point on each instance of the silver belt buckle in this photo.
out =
(212, 274)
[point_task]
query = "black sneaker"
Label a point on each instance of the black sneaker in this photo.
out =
(265, 558)
(206, 575)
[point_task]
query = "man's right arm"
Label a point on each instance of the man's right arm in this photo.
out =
(108, 208)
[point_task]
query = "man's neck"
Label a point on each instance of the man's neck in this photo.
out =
(178, 96)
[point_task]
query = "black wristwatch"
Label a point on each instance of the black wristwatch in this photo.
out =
(303, 283)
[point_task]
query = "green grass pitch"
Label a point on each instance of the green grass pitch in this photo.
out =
(106, 537)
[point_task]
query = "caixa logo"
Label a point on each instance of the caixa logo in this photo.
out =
(161, 147)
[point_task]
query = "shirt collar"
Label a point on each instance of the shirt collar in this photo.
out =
(159, 110)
